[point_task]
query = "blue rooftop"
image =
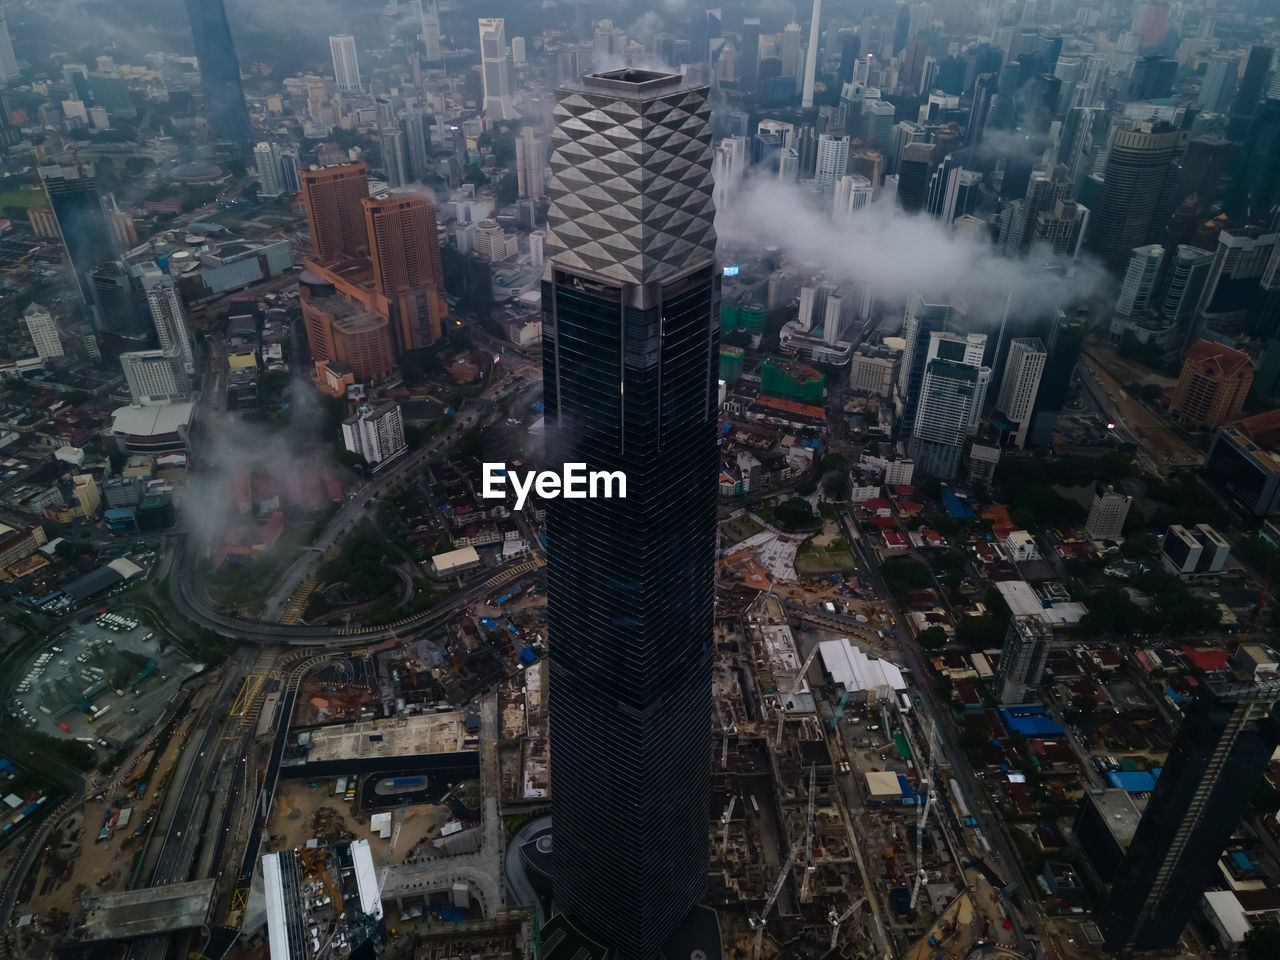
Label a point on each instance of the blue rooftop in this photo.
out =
(959, 509)
(1133, 781)
(1029, 721)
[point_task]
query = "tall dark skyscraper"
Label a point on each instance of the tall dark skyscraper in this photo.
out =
(73, 194)
(219, 71)
(1133, 202)
(630, 339)
(1249, 92)
(1216, 764)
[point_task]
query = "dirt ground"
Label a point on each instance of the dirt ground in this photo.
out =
(296, 804)
(1145, 426)
(1128, 371)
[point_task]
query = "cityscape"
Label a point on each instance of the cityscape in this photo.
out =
(639, 481)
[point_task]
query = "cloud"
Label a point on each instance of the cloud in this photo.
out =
(896, 255)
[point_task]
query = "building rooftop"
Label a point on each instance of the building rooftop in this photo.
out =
(407, 736)
(1119, 811)
(151, 420)
(1228, 360)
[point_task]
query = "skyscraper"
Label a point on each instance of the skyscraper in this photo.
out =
(113, 296)
(749, 54)
(1107, 514)
(494, 72)
(1249, 92)
(8, 61)
(1132, 202)
(73, 194)
(219, 71)
(949, 409)
(630, 337)
(1064, 339)
(405, 249)
(811, 57)
(334, 214)
(531, 159)
(1139, 282)
(417, 143)
(266, 157)
(431, 31)
(1226, 739)
(833, 158)
(1212, 386)
(791, 50)
(1022, 372)
(1022, 659)
(346, 67)
(166, 311)
(394, 160)
(914, 172)
(44, 332)
(154, 376)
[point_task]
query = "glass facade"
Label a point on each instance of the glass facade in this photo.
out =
(219, 71)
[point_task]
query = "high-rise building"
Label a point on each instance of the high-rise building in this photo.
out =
(915, 169)
(1061, 229)
(1244, 470)
(949, 409)
(878, 125)
(407, 269)
(1255, 181)
(1022, 659)
(343, 334)
(44, 332)
(334, 213)
(811, 57)
(73, 195)
(1132, 203)
(431, 31)
(113, 295)
(1252, 83)
(1212, 386)
(8, 61)
(1064, 340)
(749, 54)
(417, 144)
(833, 158)
(531, 165)
(1139, 284)
(1022, 372)
(346, 66)
(219, 71)
(1239, 263)
(1218, 84)
(944, 189)
(493, 244)
(1107, 513)
(634, 303)
(1219, 755)
(1045, 190)
(376, 434)
(791, 50)
(494, 72)
(517, 52)
(853, 192)
(728, 166)
(1188, 270)
(921, 320)
(394, 158)
(166, 312)
(155, 376)
(266, 157)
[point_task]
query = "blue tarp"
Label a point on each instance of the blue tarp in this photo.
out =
(959, 509)
(1133, 781)
(527, 655)
(1029, 722)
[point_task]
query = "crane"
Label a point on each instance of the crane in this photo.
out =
(924, 815)
(759, 920)
(809, 867)
(728, 815)
(796, 684)
(839, 918)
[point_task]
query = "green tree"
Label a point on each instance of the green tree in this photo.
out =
(932, 638)
(1262, 943)
(794, 514)
(1139, 544)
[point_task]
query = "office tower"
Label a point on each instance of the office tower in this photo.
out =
(334, 215)
(853, 192)
(1107, 514)
(630, 582)
(1061, 229)
(878, 125)
(342, 333)
(431, 31)
(517, 52)
(1082, 140)
(921, 320)
(417, 144)
(833, 158)
(1240, 262)
(1218, 84)
(811, 57)
(788, 166)
(404, 247)
(375, 433)
(1003, 113)
(346, 67)
(749, 54)
(944, 189)
(537, 247)
(949, 408)
(1045, 190)
(266, 158)
(493, 244)
(728, 165)
(1138, 286)
(493, 70)
(1255, 182)
(1064, 341)
(1188, 270)
(219, 71)
(1249, 92)
(394, 160)
(785, 132)
(155, 376)
(791, 51)
(806, 152)
(1022, 659)
(1152, 78)
(914, 171)
(8, 61)
(1134, 196)
(82, 223)
(531, 164)
(166, 312)
(850, 47)
(1022, 372)
(44, 332)
(1219, 754)
(1212, 386)
(113, 296)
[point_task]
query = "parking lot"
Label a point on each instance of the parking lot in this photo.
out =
(105, 679)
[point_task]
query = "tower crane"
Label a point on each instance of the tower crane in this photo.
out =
(839, 918)
(728, 815)
(759, 920)
(809, 867)
(924, 815)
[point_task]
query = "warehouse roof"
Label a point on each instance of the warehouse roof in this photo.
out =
(854, 670)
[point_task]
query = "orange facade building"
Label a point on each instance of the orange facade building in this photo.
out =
(334, 212)
(343, 332)
(1212, 386)
(407, 268)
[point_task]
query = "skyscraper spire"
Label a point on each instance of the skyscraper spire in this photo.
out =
(811, 57)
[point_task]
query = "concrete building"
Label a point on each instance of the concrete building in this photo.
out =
(1194, 551)
(1139, 284)
(346, 67)
(1107, 514)
(531, 164)
(853, 192)
(155, 376)
(376, 434)
(1021, 382)
(1022, 659)
(44, 332)
(949, 409)
(493, 243)
(1212, 387)
(345, 334)
(407, 266)
(166, 311)
(874, 370)
(1245, 470)
(266, 157)
(334, 214)
(833, 159)
(87, 495)
(495, 74)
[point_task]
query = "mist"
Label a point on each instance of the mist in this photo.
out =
(897, 254)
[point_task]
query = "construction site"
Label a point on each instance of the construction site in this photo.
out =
(833, 833)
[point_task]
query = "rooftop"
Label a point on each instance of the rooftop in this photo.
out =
(408, 736)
